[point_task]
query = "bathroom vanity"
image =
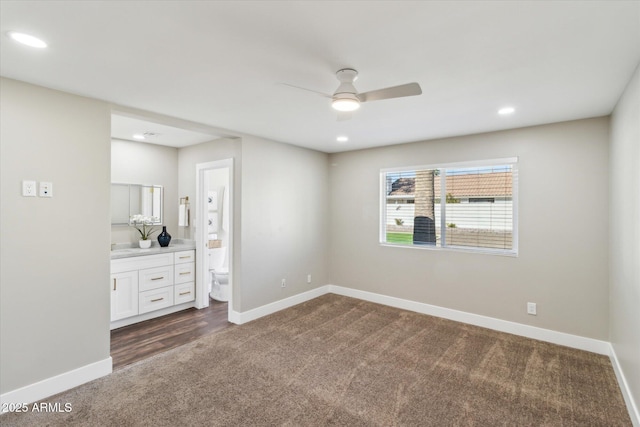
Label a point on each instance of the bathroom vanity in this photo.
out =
(148, 283)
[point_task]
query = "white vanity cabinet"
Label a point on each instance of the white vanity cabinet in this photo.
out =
(124, 295)
(143, 287)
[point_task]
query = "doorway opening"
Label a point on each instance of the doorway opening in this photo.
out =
(214, 233)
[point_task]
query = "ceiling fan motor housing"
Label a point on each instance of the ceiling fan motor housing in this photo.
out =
(344, 98)
(346, 76)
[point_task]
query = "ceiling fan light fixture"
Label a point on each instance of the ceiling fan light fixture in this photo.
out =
(346, 103)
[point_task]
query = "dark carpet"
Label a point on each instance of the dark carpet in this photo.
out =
(341, 361)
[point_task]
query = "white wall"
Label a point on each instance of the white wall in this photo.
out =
(140, 163)
(563, 221)
(285, 225)
(624, 256)
(54, 268)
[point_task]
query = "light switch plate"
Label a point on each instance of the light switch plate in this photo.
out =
(46, 189)
(29, 188)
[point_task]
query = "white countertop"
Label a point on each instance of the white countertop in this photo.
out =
(126, 250)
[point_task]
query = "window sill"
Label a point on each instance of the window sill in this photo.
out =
(483, 251)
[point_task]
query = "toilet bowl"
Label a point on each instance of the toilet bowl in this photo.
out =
(219, 274)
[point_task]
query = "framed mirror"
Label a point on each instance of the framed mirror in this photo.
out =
(135, 199)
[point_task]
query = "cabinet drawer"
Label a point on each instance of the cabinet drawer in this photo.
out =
(184, 256)
(155, 299)
(184, 293)
(184, 273)
(154, 278)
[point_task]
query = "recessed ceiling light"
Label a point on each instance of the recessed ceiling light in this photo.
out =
(506, 111)
(27, 39)
(342, 138)
(138, 136)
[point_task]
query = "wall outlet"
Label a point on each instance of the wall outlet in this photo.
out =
(308, 278)
(284, 283)
(29, 188)
(532, 308)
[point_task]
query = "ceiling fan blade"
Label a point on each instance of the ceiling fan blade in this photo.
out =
(308, 90)
(344, 115)
(409, 89)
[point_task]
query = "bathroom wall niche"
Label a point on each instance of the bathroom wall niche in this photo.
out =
(134, 199)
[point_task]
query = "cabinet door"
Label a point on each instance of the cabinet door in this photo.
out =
(124, 295)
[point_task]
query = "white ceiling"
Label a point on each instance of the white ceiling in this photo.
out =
(123, 127)
(219, 63)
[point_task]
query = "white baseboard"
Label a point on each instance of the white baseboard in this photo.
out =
(634, 413)
(59, 383)
(561, 338)
(247, 316)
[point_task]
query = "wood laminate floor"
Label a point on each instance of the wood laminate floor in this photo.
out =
(132, 343)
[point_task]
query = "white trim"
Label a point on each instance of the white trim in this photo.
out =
(548, 335)
(235, 317)
(561, 338)
(634, 413)
(382, 220)
(59, 383)
(467, 249)
(264, 310)
(469, 163)
(202, 296)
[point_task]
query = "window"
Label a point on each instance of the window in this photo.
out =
(479, 210)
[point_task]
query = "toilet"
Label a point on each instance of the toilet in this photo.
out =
(219, 274)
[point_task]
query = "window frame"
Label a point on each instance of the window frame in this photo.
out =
(513, 161)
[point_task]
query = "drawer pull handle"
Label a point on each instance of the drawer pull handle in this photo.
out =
(185, 293)
(186, 272)
(157, 278)
(157, 299)
(185, 257)
(114, 283)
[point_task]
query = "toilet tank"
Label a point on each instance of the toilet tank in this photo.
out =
(217, 257)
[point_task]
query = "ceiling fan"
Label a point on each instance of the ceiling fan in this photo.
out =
(347, 99)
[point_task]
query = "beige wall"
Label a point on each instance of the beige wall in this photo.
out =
(54, 268)
(290, 223)
(280, 218)
(285, 225)
(563, 217)
(140, 163)
(188, 159)
(624, 256)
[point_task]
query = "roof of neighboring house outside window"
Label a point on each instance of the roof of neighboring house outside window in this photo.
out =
(494, 184)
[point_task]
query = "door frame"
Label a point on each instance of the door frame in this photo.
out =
(201, 228)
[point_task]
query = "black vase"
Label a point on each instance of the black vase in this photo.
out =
(164, 238)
